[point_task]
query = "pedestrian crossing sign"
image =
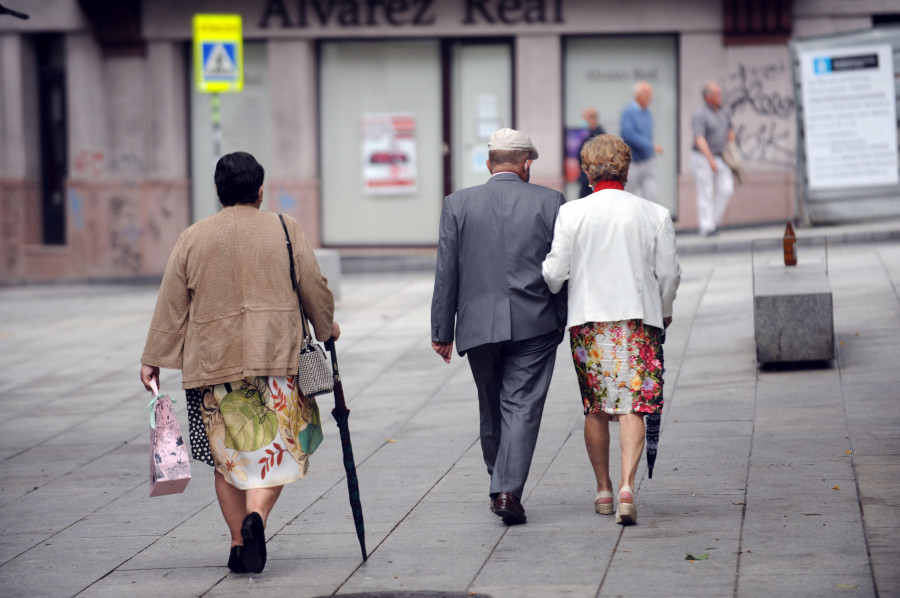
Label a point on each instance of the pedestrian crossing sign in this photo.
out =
(218, 53)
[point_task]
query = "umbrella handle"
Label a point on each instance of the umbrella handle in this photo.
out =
(329, 345)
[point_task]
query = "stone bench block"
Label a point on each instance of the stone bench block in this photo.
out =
(330, 265)
(793, 314)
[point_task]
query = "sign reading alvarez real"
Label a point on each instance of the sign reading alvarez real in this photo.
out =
(218, 53)
(405, 13)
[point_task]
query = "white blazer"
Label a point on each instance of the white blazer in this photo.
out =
(618, 253)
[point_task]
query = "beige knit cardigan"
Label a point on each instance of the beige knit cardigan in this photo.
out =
(226, 309)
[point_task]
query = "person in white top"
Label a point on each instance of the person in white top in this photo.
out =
(617, 252)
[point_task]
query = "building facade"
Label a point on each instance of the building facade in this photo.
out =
(365, 113)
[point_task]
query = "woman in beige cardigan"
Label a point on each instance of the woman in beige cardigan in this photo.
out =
(228, 317)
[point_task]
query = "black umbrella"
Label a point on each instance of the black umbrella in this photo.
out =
(652, 423)
(341, 414)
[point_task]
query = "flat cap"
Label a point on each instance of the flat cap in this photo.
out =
(511, 140)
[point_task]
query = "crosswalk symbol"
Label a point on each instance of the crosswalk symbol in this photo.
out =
(219, 62)
(218, 53)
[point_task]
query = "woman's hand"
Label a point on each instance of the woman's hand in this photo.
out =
(335, 330)
(666, 322)
(148, 373)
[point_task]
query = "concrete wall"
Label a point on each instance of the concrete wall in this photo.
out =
(127, 193)
(128, 190)
(19, 162)
(538, 103)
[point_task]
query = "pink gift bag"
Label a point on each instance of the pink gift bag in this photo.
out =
(170, 470)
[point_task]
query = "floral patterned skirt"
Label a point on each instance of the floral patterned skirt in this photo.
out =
(619, 366)
(257, 432)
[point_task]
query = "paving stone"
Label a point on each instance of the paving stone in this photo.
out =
(805, 585)
(145, 583)
(671, 574)
(741, 447)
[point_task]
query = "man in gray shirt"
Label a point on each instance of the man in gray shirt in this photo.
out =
(715, 184)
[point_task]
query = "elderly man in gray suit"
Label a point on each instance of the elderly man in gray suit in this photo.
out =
(488, 282)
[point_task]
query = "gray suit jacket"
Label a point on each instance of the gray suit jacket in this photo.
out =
(493, 239)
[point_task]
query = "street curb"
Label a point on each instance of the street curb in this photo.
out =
(745, 244)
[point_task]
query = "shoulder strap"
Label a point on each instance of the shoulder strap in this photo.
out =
(290, 250)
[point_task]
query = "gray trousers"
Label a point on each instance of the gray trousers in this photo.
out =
(642, 179)
(512, 380)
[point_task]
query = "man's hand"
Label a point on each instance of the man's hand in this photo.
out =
(703, 148)
(658, 148)
(335, 330)
(445, 350)
(148, 373)
(667, 321)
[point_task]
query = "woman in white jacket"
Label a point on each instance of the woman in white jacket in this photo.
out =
(618, 253)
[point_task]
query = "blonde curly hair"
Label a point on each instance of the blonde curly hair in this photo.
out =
(606, 158)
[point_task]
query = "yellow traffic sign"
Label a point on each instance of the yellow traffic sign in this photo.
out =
(218, 53)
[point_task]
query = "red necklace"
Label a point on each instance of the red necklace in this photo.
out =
(608, 185)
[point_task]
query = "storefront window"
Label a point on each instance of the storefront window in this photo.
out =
(600, 72)
(381, 142)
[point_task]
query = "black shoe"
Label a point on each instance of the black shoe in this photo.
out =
(234, 561)
(507, 506)
(253, 556)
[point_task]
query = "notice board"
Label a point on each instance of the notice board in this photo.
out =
(846, 93)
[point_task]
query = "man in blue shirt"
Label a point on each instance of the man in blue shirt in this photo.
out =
(637, 131)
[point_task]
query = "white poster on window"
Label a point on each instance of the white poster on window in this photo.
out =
(850, 117)
(389, 154)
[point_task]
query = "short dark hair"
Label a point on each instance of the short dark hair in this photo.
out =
(517, 157)
(238, 178)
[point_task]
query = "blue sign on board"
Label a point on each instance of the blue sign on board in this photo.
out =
(821, 65)
(219, 61)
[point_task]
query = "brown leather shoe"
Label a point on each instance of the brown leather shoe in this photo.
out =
(507, 506)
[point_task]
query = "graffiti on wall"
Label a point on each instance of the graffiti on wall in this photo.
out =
(85, 240)
(126, 164)
(125, 235)
(13, 218)
(89, 163)
(160, 220)
(759, 98)
(76, 210)
(92, 164)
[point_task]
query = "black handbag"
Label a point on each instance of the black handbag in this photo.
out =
(314, 375)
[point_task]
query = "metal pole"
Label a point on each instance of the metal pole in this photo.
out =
(216, 115)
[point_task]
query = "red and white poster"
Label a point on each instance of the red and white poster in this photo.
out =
(389, 154)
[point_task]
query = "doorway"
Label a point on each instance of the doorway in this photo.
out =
(481, 100)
